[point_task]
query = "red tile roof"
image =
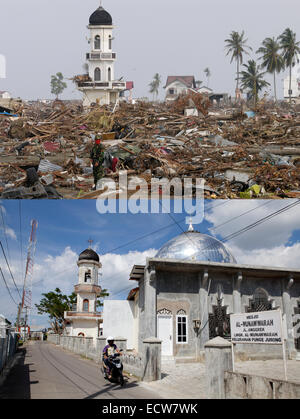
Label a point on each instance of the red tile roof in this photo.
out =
(189, 81)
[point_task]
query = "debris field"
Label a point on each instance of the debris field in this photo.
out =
(45, 149)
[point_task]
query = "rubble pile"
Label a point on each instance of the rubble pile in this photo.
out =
(239, 153)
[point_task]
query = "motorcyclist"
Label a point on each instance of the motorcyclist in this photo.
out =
(109, 350)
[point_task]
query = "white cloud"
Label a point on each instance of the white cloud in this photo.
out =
(116, 270)
(276, 231)
(61, 271)
(279, 256)
(10, 233)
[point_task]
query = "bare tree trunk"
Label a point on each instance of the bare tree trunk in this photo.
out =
(275, 93)
(290, 86)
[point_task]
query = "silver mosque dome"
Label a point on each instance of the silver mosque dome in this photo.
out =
(195, 246)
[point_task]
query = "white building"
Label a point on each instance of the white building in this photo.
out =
(295, 84)
(177, 85)
(85, 320)
(99, 85)
(5, 95)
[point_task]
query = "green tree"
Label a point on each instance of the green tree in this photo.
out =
(55, 304)
(252, 80)
(57, 84)
(236, 46)
(290, 50)
(272, 60)
(104, 294)
(154, 85)
(208, 74)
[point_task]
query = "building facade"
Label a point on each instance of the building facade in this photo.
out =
(177, 85)
(99, 84)
(84, 320)
(295, 84)
(189, 289)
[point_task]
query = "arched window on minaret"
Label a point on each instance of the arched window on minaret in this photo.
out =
(109, 74)
(85, 305)
(97, 74)
(88, 276)
(97, 44)
(109, 42)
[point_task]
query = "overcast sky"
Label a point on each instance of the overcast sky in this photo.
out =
(64, 228)
(171, 37)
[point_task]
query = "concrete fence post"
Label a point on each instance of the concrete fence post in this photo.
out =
(151, 359)
(121, 343)
(218, 359)
(100, 345)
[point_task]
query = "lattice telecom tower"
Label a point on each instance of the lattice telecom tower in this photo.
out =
(27, 287)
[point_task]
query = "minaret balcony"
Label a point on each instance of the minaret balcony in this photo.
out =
(88, 288)
(109, 85)
(84, 315)
(101, 56)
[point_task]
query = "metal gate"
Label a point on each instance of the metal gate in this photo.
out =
(260, 302)
(219, 321)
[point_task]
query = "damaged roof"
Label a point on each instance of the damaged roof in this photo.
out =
(188, 81)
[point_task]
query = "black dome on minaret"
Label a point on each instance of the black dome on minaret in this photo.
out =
(89, 254)
(101, 18)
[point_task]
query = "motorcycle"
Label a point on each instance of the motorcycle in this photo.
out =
(116, 369)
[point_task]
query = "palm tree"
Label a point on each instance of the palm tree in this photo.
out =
(236, 46)
(208, 74)
(253, 80)
(271, 58)
(154, 85)
(290, 50)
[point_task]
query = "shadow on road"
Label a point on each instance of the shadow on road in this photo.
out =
(17, 383)
(111, 387)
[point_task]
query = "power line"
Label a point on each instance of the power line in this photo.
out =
(21, 240)
(253, 225)
(10, 269)
(262, 220)
(241, 231)
(156, 231)
(7, 286)
(241, 215)
(141, 238)
(4, 230)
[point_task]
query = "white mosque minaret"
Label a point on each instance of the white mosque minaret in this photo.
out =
(100, 86)
(85, 320)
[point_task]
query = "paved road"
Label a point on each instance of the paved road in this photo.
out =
(44, 371)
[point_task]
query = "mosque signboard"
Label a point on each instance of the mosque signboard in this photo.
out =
(265, 327)
(260, 327)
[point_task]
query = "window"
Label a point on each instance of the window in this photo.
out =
(260, 301)
(172, 91)
(109, 42)
(85, 305)
(181, 329)
(109, 74)
(97, 44)
(87, 276)
(97, 74)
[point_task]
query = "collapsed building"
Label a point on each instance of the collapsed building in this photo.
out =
(239, 154)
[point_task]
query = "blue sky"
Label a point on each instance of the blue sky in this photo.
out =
(64, 228)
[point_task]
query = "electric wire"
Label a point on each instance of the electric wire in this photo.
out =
(4, 230)
(21, 240)
(3, 277)
(241, 231)
(10, 269)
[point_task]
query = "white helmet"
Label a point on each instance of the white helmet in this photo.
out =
(110, 338)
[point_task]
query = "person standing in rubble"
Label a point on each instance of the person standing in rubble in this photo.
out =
(97, 157)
